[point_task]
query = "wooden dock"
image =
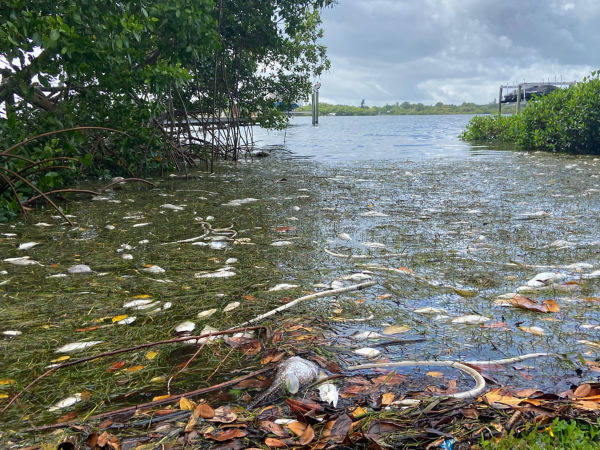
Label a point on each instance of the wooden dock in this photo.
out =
(521, 90)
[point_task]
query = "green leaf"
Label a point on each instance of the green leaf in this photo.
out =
(54, 35)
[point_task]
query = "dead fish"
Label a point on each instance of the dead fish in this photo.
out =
(292, 374)
(21, 261)
(27, 245)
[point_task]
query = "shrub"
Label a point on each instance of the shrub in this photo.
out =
(567, 120)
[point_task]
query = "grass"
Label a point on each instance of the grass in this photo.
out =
(560, 434)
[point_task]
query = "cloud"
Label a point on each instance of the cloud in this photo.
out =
(454, 50)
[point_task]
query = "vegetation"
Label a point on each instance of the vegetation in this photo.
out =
(567, 120)
(404, 108)
(131, 66)
(559, 434)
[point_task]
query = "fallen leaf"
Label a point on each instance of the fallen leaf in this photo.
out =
(297, 428)
(272, 427)
(134, 369)
(435, 374)
(466, 293)
(5, 382)
(583, 390)
(226, 435)
(493, 325)
(307, 436)
(531, 305)
(395, 329)
(118, 318)
(533, 330)
(275, 443)
(496, 396)
(224, 414)
(116, 366)
(151, 354)
(204, 411)
(186, 404)
(387, 399)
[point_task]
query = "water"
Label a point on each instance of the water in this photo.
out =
(390, 138)
(450, 215)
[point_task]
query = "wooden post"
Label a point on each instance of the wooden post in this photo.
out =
(315, 104)
(317, 107)
(500, 102)
(519, 90)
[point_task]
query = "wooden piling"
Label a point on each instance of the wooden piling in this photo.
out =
(500, 102)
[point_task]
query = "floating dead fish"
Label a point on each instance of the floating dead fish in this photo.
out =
(58, 275)
(240, 202)
(218, 245)
(144, 241)
(138, 225)
(79, 268)
(430, 310)
(231, 306)
(22, 261)
(579, 266)
(562, 244)
(224, 272)
(207, 313)
(283, 287)
(76, 346)
(124, 247)
(231, 261)
(471, 319)
(533, 330)
(153, 269)
(344, 236)
(542, 279)
(206, 330)
(374, 214)
(292, 374)
(337, 284)
(532, 215)
(368, 352)
(27, 245)
(127, 320)
(42, 224)
(136, 303)
(185, 327)
(127, 256)
(148, 306)
(281, 243)
(172, 207)
(364, 335)
(329, 393)
(373, 244)
(12, 333)
(357, 277)
(595, 274)
(65, 403)
(109, 227)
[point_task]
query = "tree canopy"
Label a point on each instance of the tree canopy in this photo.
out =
(131, 65)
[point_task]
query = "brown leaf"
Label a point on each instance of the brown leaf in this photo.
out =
(250, 346)
(392, 378)
(285, 229)
(275, 443)
(272, 427)
(82, 330)
(307, 436)
(297, 427)
(116, 366)
(226, 435)
(204, 411)
(249, 297)
(341, 426)
(272, 357)
(327, 364)
(496, 396)
(303, 407)
(224, 414)
(583, 390)
(186, 405)
(531, 305)
(551, 305)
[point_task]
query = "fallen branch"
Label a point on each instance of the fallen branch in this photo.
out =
(341, 255)
(479, 381)
(123, 350)
(354, 287)
(163, 401)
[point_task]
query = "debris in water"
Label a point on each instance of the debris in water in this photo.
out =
(368, 352)
(281, 243)
(283, 287)
(239, 202)
(172, 207)
(65, 403)
(79, 268)
(329, 393)
(344, 236)
(185, 327)
(151, 268)
(231, 306)
(27, 245)
(75, 346)
(471, 319)
(22, 261)
(207, 313)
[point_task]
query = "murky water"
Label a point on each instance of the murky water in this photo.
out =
(461, 218)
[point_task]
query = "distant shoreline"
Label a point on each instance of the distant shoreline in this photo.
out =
(401, 109)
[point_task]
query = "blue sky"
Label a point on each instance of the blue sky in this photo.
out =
(388, 51)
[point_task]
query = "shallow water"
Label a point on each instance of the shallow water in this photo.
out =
(452, 211)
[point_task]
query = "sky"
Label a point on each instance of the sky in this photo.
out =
(452, 51)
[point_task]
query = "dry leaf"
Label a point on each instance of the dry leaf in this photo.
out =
(297, 427)
(116, 366)
(204, 411)
(307, 436)
(134, 369)
(186, 405)
(275, 443)
(387, 399)
(435, 374)
(395, 329)
(496, 396)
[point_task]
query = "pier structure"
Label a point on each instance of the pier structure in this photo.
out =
(523, 92)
